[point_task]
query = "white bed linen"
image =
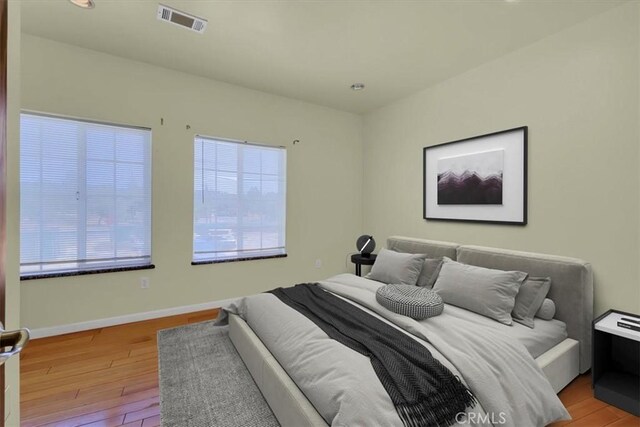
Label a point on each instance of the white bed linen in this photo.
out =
(545, 335)
(355, 396)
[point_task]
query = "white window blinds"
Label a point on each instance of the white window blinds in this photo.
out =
(85, 195)
(239, 200)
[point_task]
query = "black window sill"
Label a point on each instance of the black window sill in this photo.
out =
(221, 261)
(30, 276)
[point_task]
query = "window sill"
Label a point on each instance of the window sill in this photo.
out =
(222, 261)
(31, 276)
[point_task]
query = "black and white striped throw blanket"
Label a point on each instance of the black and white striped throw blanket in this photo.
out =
(423, 391)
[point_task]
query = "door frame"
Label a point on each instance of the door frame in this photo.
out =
(3, 181)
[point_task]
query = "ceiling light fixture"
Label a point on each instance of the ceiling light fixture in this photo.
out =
(357, 86)
(85, 4)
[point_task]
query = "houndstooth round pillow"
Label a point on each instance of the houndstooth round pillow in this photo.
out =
(413, 301)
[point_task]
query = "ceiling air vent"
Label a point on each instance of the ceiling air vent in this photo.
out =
(168, 14)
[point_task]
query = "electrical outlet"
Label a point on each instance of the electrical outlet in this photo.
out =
(144, 283)
(318, 263)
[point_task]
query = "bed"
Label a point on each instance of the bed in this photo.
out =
(561, 347)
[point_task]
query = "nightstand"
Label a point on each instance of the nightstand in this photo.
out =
(616, 361)
(359, 260)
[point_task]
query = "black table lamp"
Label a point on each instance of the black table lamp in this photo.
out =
(365, 245)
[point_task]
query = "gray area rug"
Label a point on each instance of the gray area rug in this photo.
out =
(204, 382)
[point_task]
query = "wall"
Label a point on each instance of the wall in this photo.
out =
(12, 261)
(577, 91)
(324, 179)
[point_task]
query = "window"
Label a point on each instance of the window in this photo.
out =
(85, 196)
(239, 200)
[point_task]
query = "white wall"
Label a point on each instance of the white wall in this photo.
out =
(577, 90)
(324, 214)
(578, 93)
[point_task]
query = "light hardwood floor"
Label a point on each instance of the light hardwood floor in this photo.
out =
(588, 411)
(109, 377)
(103, 377)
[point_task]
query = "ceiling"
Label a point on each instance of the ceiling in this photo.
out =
(314, 50)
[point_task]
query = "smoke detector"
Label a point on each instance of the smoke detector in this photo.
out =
(173, 16)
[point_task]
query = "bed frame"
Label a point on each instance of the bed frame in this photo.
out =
(571, 290)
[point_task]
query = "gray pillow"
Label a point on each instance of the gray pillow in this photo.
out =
(547, 310)
(412, 301)
(482, 290)
(396, 267)
(429, 274)
(529, 299)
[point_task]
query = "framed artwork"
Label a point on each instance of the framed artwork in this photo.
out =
(478, 179)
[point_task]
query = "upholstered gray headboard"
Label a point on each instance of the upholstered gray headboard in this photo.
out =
(571, 286)
(571, 280)
(432, 248)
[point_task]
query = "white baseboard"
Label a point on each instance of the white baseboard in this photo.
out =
(128, 318)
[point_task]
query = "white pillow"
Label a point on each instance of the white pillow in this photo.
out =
(396, 267)
(547, 310)
(485, 291)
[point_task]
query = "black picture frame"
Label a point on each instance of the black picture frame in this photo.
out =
(513, 210)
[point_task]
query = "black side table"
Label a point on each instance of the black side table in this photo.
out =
(615, 367)
(359, 260)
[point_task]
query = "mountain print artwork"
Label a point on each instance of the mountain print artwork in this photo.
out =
(472, 179)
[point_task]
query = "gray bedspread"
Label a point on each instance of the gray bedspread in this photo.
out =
(341, 384)
(546, 334)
